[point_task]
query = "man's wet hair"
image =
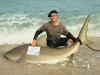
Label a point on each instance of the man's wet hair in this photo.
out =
(52, 11)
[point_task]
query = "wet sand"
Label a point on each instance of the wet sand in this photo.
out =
(86, 62)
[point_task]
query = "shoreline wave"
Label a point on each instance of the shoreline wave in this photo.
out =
(20, 28)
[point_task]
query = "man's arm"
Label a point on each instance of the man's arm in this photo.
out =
(38, 32)
(70, 36)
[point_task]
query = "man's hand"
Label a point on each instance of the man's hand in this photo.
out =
(33, 43)
(70, 41)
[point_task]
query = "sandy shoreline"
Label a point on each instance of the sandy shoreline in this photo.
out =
(87, 62)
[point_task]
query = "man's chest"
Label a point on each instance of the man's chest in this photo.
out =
(52, 30)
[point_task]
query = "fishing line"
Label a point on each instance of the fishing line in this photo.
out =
(97, 50)
(93, 48)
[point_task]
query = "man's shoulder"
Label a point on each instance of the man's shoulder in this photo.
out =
(47, 23)
(61, 24)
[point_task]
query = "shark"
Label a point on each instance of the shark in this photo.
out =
(47, 54)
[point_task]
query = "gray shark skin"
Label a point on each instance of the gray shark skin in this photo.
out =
(47, 54)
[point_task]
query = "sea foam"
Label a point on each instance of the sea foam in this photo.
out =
(19, 28)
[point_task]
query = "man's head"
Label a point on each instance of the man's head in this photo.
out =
(53, 12)
(53, 15)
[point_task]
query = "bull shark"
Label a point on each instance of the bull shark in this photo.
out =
(47, 54)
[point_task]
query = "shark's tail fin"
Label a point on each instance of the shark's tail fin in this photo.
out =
(83, 33)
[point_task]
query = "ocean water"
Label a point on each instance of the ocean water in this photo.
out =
(19, 19)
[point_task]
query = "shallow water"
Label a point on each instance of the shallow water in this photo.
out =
(86, 62)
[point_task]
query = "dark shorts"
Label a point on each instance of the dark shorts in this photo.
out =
(60, 42)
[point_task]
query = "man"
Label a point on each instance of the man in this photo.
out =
(54, 29)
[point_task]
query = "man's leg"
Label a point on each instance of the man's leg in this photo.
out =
(61, 42)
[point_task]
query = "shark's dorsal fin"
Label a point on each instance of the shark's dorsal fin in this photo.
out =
(83, 33)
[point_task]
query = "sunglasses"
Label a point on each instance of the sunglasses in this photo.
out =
(53, 15)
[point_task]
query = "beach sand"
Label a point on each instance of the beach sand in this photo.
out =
(86, 62)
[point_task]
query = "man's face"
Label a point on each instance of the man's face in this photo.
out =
(54, 17)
